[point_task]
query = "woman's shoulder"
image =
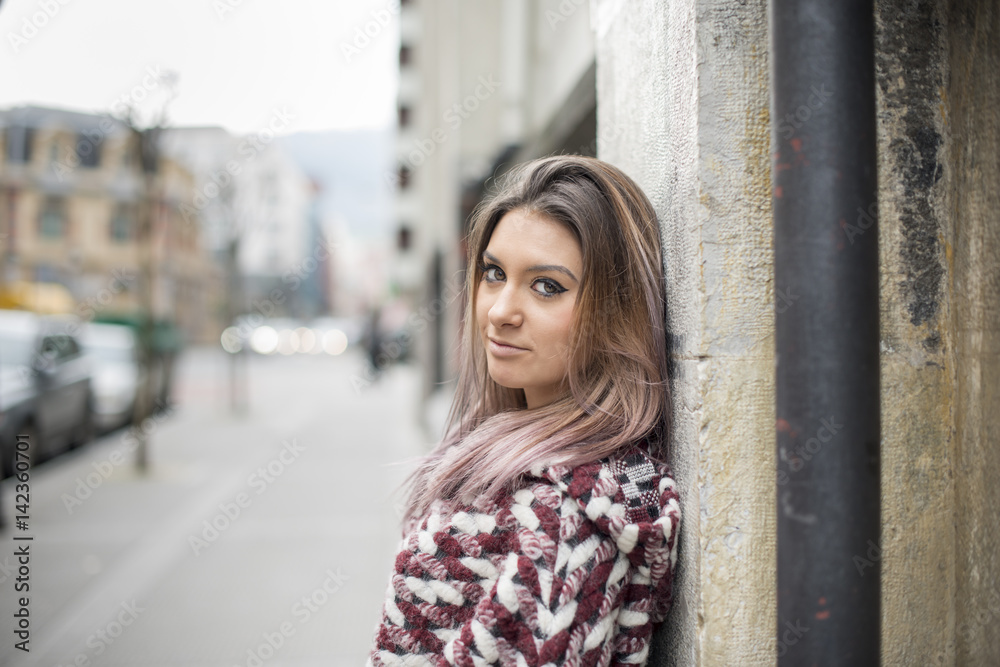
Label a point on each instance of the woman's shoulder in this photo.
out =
(630, 496)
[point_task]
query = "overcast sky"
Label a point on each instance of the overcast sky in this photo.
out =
(238, 61)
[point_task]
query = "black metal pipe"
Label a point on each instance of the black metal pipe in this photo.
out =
(827, 335)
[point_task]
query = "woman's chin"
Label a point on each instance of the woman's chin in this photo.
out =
(505, 381)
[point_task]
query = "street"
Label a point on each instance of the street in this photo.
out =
(257, 539)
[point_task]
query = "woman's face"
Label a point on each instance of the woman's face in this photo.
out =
(532, 268)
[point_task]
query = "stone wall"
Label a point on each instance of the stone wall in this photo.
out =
(973, 262)
(939, 173)
(918, 534)
(683, 99)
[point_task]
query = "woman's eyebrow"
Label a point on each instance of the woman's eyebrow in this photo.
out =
(538, 267)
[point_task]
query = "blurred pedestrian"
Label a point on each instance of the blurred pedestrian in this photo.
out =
(376, 360)
(543, 528)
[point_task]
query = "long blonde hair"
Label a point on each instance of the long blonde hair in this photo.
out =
(617, 377)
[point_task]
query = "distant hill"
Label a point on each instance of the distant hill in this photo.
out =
(351, 167)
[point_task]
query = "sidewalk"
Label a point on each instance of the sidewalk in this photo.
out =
(261, 539)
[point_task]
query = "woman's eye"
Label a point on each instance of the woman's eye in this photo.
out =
(547, 287)
(493, 274)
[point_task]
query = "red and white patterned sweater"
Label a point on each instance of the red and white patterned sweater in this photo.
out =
(572, 569)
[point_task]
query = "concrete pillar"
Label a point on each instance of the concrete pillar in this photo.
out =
(683, 107)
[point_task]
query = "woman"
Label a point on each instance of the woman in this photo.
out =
(542, 530)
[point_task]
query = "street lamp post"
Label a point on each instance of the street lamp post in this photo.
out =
(149, 158)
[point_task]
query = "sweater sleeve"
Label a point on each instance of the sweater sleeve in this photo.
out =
(587, 575)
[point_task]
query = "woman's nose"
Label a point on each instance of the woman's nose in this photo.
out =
(506, 310)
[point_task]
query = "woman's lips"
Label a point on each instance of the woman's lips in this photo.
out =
(503, 350)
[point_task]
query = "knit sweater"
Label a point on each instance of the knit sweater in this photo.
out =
(574, 568)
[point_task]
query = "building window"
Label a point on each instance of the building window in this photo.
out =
(19, 144)
(404, 238)
(52, 221)
(404, 177)
(88, 149)
(404, 115)
(122, 224)
(405, 55)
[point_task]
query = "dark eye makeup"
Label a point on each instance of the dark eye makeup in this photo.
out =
(549, 287)
(545, 287)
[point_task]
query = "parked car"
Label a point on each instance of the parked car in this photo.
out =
(45, 390)
(117, 373)
(165, 344)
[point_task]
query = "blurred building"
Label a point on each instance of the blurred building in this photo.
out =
(483, 86)
(260, 218)
(71, 206)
